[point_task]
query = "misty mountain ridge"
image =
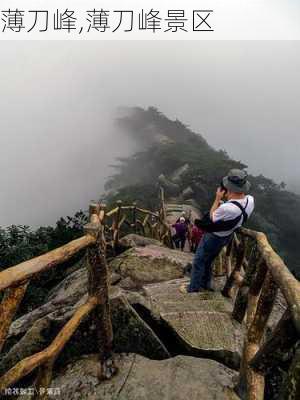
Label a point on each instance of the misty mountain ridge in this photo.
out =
(174, 156)
(169, 145)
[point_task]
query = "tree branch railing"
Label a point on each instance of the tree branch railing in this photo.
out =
(253, 283)
(104, 229)
(254, 275)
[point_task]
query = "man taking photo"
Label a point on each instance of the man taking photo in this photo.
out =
(223, 219)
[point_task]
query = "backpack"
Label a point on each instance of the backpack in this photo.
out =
(208, 225)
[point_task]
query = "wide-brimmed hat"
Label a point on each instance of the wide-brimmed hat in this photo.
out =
(236, 181)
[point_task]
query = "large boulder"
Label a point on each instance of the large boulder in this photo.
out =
(139, 378)
(187, 193)
(66, 294)
(35, 331)
(179, 174)
(172, 189)
(151, 264)
(134, 240)
(133, 334)
(197, 324)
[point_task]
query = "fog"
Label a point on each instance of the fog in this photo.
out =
(58, 99)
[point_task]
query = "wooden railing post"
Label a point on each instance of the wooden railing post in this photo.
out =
(8, 308)
(94, 210)
(228, 255)
(235, 273)
(102, 213)
(218, 267)
(98, 286)
(43, 380)
(162, 214)
(116, 222)
(153, 227)
(134, 218)
(252, 382)
(241, 301)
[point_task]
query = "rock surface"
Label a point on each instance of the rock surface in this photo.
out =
(35, 331)
(179, 174)
(134, 240)
(200, 323)
(151, 264)
(127, 284)
(170, 187)
(133, 334)
(178, 378)
(187, 193)
(174, 211)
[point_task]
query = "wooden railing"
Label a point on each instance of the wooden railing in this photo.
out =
(255, 275)
(104, 229)
(137, 220)
(254, 271)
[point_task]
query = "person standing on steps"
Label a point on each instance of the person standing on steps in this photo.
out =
(183, 215)
(219, 225)
(196, 236)
(181, 233)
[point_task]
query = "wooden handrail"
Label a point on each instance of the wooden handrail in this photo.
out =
(22, 272)
(265, 273)
(28, 364)
(287, 283)
(142, 210)
(111, 212)
(8, 308)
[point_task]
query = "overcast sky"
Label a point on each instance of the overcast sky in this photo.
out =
(57, 102)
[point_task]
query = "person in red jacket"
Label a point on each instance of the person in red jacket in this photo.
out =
(196, 236)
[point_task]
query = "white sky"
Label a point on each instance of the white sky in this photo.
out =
(57, 101)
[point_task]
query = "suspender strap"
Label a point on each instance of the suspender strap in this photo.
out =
(245, 215)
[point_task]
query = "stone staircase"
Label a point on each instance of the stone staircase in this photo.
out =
(200, 324)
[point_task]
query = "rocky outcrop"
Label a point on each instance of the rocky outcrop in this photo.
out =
(151, 264)
(187, 193)
(133, 334)
(198, 324)
(139, 378)
(171, 188)
(133, 240)
(179, 174)
(176, 185)
(174, 211)
(35, 330)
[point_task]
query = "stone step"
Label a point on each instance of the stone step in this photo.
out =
(166, 297)
(200, 322)
(178, 378)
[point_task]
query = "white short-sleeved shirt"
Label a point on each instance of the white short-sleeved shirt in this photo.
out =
(228, 211)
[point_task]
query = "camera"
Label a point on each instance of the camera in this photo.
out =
(223, 187)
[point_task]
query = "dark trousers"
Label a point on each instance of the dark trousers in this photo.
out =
(208, 249)
(194, 247)
(179, 241)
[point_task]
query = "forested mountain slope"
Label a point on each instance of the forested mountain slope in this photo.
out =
(168, 145)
